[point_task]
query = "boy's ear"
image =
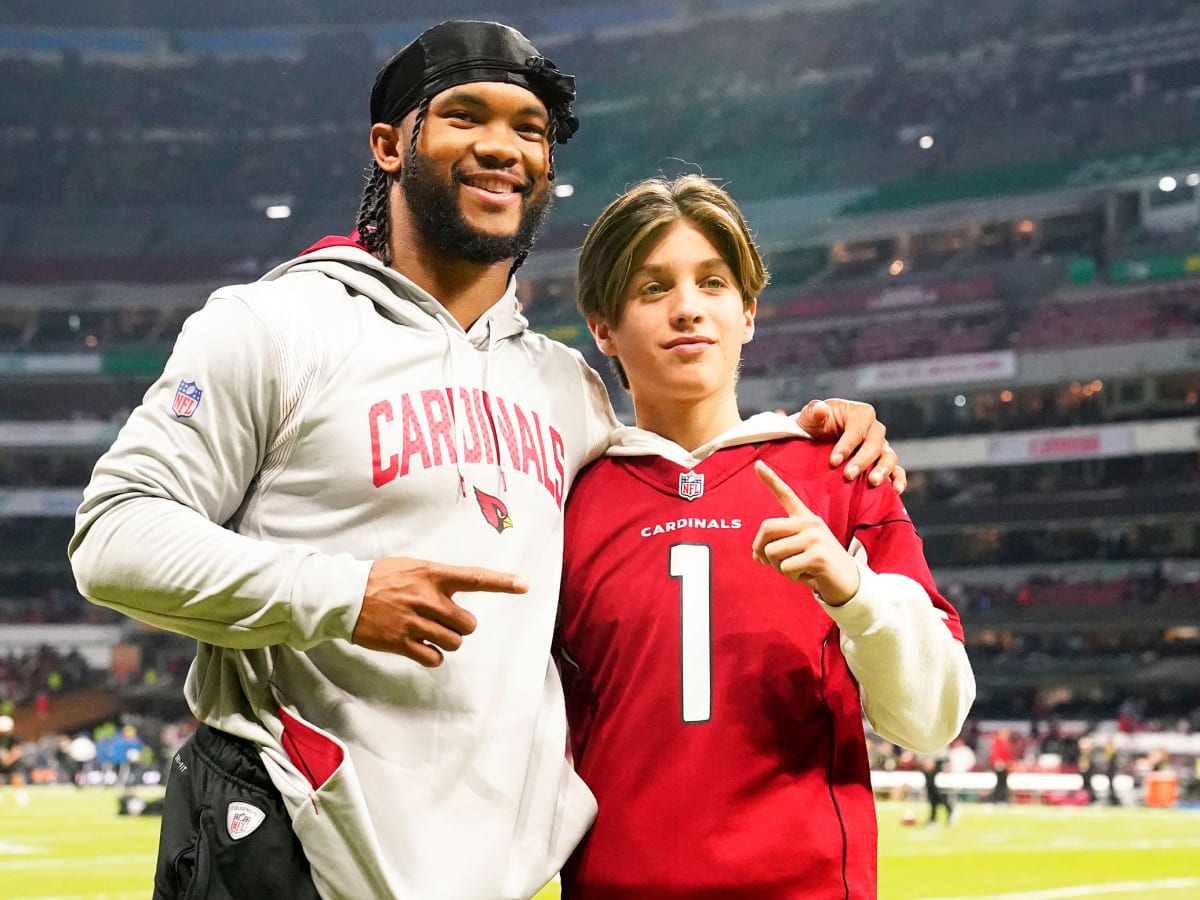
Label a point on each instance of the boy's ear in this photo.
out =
(748, 322)
(602, 334)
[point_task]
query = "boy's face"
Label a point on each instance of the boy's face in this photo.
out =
(683, 322)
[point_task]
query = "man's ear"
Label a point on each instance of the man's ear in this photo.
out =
(602, 334)
(388, 144)
(748, 322)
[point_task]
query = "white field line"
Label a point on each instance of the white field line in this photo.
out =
(1060, 813)
(1143, 889)
(37, 840)
(1062, 845)
(91, 861)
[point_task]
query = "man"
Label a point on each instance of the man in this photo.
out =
(364, 401)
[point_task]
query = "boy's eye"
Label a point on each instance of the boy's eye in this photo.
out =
(652, 288)
(714, 283)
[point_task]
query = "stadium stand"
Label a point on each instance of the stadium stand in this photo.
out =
(1020, 298)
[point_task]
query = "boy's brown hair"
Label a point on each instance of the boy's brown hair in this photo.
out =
(632, 225)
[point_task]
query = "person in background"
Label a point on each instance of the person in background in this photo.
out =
(730, 607)
(1000, 793)
(1087, 768)
(960, 757)
(938, 797)
(1113, 766)
(12, 770)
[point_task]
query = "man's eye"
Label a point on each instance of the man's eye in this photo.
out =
(460, 114)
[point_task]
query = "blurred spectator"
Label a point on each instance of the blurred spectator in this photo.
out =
(12, 769)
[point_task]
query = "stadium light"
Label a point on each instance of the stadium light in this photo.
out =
(1167, 184)
(926, 142)
(896, 267)
(564, 190)
(278, 212)
(960, 401)
(1193, 180)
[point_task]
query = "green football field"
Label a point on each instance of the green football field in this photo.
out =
(71, 845)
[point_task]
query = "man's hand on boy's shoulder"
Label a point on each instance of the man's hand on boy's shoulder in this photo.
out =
(860, 439)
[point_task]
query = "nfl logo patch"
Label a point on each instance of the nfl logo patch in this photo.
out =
(241, 819)
(691, 485)
(187, 398)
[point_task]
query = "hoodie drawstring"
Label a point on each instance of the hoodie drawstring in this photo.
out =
(501, 482)
(456, 415)
(487, 430)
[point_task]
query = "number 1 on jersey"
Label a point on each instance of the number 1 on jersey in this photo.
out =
(692, 565)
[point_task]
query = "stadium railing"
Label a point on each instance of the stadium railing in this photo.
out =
(1020, 784)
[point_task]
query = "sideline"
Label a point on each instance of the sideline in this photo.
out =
(1087, 890)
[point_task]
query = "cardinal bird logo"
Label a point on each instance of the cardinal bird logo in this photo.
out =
(494, 511)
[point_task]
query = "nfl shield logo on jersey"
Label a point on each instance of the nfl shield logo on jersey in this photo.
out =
(187, 398)
(691, 485)
(242, 818)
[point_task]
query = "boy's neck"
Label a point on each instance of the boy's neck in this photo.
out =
(689, 424)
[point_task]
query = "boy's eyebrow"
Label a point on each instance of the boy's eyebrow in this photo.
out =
(466, 98)
(658, 268)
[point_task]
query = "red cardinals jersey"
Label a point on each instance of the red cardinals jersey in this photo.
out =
(713, 712)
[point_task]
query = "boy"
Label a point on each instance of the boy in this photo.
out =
(715, 706)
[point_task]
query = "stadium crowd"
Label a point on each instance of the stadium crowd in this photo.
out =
(35, 677)
(858, 100)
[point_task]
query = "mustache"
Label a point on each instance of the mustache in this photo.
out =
(459, 175)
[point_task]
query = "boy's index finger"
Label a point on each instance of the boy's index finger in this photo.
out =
(783, 492)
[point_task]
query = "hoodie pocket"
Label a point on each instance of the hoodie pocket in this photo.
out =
(193, 867)
(311, 751)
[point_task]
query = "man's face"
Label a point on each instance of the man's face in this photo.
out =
(478, 182)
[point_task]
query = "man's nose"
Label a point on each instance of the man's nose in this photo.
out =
(497, 145)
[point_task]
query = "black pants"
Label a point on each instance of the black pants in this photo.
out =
(938, 800)
(226, 834)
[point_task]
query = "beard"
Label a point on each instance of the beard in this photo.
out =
(440, 220)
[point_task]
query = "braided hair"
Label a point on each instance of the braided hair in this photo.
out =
(372, 220)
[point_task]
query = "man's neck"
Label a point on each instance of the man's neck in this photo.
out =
(466, 289)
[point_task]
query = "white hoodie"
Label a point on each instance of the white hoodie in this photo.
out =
(301, 429)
